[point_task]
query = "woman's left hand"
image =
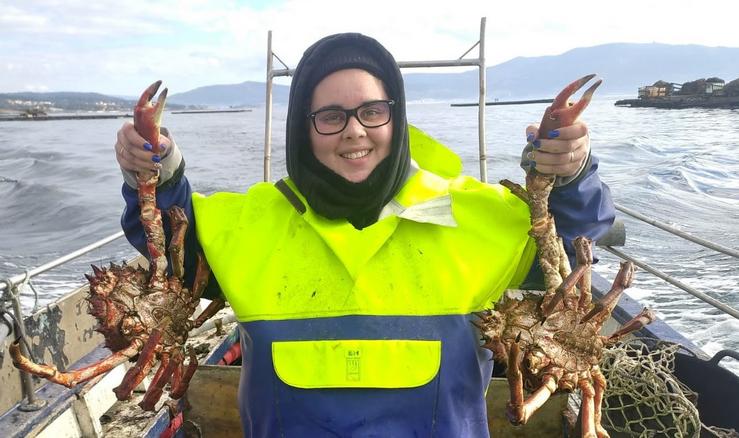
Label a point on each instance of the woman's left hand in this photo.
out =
(562, 155)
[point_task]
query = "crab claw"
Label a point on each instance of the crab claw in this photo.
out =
(562, 112)
(147, 117)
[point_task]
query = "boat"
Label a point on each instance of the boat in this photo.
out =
(62, 334)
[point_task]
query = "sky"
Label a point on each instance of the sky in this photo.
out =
(120, 47)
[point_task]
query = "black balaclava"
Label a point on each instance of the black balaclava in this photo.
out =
(328, 193)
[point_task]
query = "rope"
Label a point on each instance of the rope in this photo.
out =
(644, 398)
(27, 282)
(12, 293)
(7, 295)
(17, 332)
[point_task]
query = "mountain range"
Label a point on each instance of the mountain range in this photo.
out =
(623, 66)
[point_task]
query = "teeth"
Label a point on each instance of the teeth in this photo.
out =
(356, 155)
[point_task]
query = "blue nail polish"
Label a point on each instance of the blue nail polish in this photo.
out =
(554, 133)
(147, 147)
(537, 143)
(530, 137)
(156, 159)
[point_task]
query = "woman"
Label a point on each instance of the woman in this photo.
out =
(354, 278)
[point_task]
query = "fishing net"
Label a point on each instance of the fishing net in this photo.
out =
(644, 399)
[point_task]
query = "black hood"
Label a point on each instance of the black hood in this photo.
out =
(328, 193)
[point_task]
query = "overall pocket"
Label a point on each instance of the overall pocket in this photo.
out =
(357, 388)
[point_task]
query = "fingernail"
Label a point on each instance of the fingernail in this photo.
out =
(554, 133)
(147, 147)
(530, 137)
(156, 158)
(537, 143)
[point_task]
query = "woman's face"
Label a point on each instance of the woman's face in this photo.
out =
(354, 152)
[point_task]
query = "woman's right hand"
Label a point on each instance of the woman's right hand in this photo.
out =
(133, 152)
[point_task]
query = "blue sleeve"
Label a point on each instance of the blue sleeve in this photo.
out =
(583, 207)
(179, 194)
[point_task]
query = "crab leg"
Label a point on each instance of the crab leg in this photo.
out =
(566, 290)
(585, 283)
(213, 308)
(72, 378)
(515, 413)
(599, 385)
(560, 112)
(564, 262)
(549, 249)
(536, 195)
(202, 273)
(136, 374)
(646, 316)
(539, 185)
(179, 386)
(179, 224)
(517, 190)
(162, 376)
(147, 117)
(587, 409)
(520, 410)
(603, 308)
(147, 121)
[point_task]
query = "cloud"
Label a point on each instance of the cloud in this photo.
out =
(115, 47)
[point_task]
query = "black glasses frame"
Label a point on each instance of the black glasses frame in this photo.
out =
(352, 112)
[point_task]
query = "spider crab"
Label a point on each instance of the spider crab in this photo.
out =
(143, 313)
(551, 342)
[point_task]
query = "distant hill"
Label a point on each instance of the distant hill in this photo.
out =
(71, 101)
(67, 101)
(244, 94)
(623, 66)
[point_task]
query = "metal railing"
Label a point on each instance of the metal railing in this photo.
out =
(18, 279)
(668, 278)
(10, 292)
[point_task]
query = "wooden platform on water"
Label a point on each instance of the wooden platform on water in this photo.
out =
(241, 110)
(506, 102)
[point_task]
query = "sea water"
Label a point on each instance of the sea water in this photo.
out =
(60, 190)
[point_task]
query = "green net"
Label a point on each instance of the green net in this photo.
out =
(644, 399)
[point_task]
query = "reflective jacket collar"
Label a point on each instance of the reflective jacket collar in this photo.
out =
(424, 198)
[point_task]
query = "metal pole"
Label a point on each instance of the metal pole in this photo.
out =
(17, 279)
(481, 107)
(268, 112)
(700, 295)
(675, 231)
(31, 403)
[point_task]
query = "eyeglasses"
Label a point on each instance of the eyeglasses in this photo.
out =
(371, 114)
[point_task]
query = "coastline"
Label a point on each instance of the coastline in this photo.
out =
(680, 102)
(64, 117)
